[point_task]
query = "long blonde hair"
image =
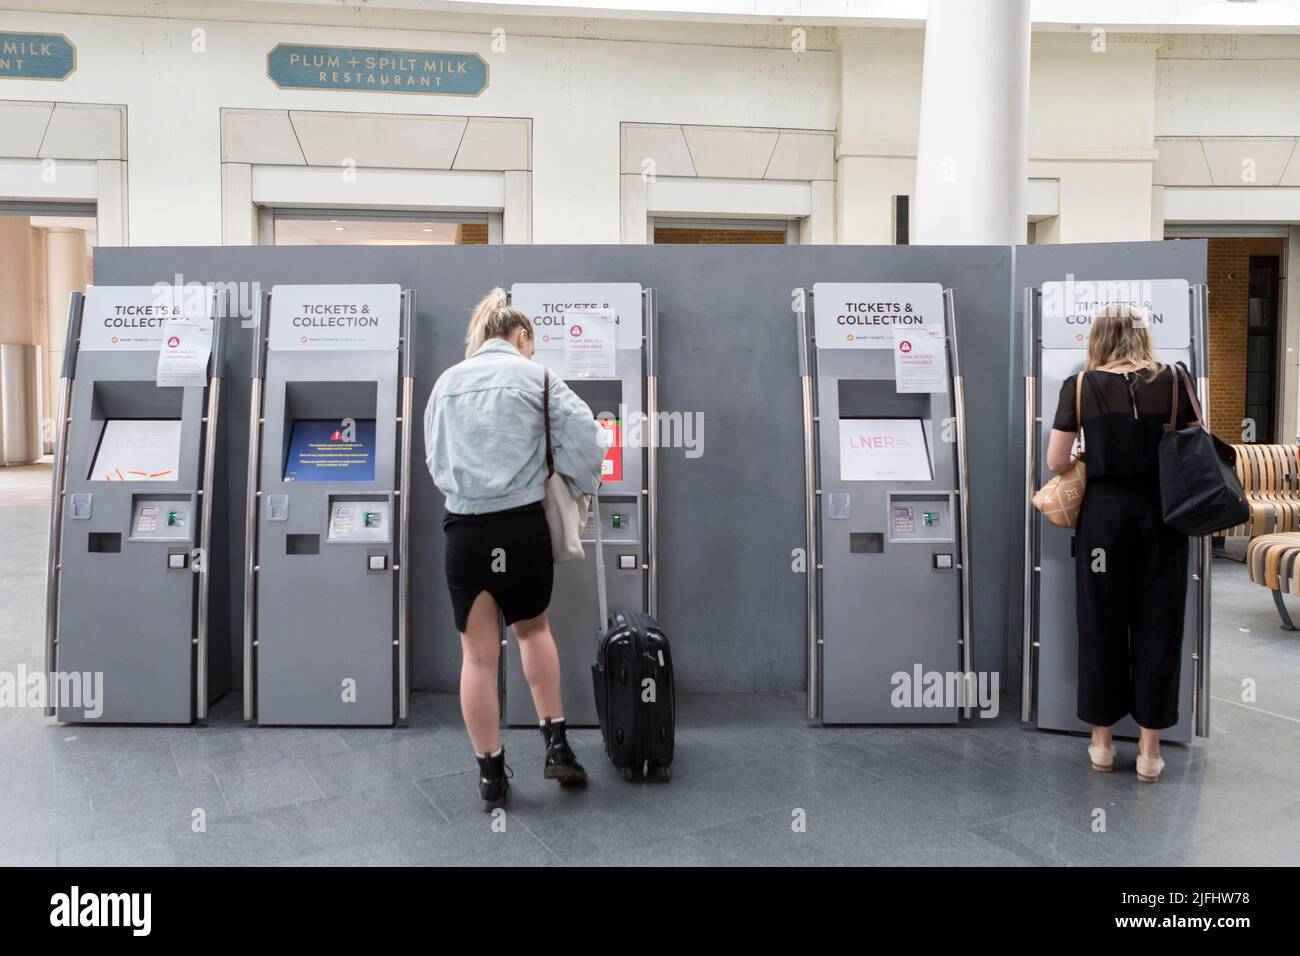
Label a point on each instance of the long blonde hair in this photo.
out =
(494, 318)
(1119, 336)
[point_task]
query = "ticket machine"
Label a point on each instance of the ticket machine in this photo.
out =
(1059, 315)
(129, 573)
(325, 574)
(886, 505)
(600, 338)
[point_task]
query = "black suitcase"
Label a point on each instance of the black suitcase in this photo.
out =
(633, 681)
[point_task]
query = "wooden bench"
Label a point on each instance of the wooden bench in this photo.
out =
(1271, 561)
(1270, 476)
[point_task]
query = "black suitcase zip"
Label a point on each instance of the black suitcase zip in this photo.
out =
(632, 678)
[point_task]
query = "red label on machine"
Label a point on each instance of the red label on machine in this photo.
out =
(611, 469)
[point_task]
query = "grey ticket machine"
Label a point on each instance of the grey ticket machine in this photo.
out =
(326, 576)
(129, 615)
(599, 337)
(1059, 317)
(888, 596)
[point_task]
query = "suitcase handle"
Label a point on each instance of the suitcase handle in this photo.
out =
(602, 599)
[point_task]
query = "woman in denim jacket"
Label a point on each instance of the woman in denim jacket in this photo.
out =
(486, 448)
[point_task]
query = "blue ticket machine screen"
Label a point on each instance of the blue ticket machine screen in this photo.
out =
(331, 451)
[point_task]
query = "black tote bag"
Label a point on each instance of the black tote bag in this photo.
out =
(1199, 489)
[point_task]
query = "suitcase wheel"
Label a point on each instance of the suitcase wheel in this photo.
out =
(665, 772)
(626, 773)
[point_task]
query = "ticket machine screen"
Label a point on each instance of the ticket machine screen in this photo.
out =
(331, 451)
(884, 449)
(137, 450)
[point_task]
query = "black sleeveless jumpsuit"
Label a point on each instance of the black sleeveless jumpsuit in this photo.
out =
(1130, 568)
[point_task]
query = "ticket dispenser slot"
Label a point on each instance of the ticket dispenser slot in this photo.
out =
(327, 602)
(882, 508)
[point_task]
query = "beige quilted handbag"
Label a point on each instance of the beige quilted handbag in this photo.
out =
(1061, 499)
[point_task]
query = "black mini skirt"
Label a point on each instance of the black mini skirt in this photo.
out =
(506, 553)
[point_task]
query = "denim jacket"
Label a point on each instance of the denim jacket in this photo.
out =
(484, 439)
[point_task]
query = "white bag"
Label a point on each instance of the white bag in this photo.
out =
(565, 514)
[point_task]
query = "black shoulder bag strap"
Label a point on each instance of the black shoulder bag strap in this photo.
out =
(1181, 375)
(546, 420)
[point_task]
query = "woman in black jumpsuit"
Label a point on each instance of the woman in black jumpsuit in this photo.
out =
(1130, 568)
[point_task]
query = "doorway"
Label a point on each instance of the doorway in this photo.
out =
(45, 255)
(375, 227)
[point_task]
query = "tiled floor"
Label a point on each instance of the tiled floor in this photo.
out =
(748, 769)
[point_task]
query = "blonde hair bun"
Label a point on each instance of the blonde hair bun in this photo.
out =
(494, 318)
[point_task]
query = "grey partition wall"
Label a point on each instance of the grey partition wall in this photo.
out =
(128, 589)
(1060, 289)
(730, 595)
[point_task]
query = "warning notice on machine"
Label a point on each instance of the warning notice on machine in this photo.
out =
(589, 344)
(863, 315)
(183, 356)
(920, 360)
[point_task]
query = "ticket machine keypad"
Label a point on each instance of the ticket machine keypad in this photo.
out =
(920, 516)
(358, 520)
(160, 519)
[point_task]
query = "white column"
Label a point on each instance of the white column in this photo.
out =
(972, 165)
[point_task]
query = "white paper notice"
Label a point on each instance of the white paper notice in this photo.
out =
(138, 450)
(183, 355)
(920, 360)
(589, 344)
(883, 449)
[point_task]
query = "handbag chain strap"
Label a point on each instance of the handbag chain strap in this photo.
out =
(546, 420)
(1078, 406)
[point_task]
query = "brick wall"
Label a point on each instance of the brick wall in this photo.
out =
(472, 234)
(710, 236)
(1228, 269)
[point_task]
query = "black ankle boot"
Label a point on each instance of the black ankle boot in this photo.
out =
(493, 780)
(561, 764)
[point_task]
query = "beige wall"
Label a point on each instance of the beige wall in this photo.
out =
(16, 281)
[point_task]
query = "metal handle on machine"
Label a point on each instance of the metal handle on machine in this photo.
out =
(650, 311)
(205, 521)
(76, 303)
(250, 505)
(963, 486)
(404, 509)
(1030, 602)
(812, 618)
(1201, 686)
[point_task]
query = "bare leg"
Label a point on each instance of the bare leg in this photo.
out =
(1101, 737)
(541, 665)
(1149, 742)
(480, 646)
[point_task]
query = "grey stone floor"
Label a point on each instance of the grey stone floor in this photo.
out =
(995, 793)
